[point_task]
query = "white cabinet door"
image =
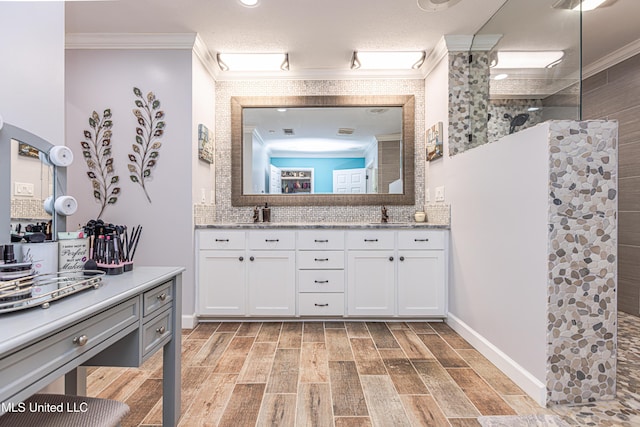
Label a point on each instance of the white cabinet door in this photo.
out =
(271, 276)
(421, 283)
(221, 282)
(371, 283)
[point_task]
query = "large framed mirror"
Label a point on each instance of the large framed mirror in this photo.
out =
(322, 150)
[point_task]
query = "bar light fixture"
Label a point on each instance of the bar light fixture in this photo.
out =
(361, 60)
(536, 59)
(253, 61)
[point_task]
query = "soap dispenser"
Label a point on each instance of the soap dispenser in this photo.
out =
(266, 213)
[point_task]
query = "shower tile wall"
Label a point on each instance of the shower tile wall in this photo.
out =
(498, 126)
(226, 89)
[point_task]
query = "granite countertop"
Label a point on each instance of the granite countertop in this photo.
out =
(323, 225)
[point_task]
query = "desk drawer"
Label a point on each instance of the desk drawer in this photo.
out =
(320, 240)
(272, 239)
(321, 281)
(423, 239)
(156, 332)
(318, 304)
(320, 259)
(54, 352)
(221, 239)
(157, 298)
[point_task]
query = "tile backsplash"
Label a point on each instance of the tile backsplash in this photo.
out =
(225, 212)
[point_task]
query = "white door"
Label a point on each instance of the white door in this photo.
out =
(350, 181)
(271, 276)
(370, 283)
(275, 180)
(221, 282)
(421, 283)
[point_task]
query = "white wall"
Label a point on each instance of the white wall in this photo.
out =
(100, 79)
(437, 110)
(499, 235)
(204, 99)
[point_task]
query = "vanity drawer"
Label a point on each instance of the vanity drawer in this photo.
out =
(320, 240)
(272, 239)
(321, 304)
(54, 352)
(320, 259)
(425, 239)
(156, 332)
(321, 281)
(370, 239)
(156, 298)
(221, 239)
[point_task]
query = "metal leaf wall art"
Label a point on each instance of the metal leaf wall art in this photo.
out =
(96, 150)
(147, 146)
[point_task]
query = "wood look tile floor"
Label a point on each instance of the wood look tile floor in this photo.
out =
(342, 374)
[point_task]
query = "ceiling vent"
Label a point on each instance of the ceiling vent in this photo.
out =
(377, 110)
(288, 131)
(345, 131)
(436, 5)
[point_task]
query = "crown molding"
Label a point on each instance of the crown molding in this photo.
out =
(130, 40)
(485, 42)
(438, 53)
(201, 51)
(458, 43)
(611, 59)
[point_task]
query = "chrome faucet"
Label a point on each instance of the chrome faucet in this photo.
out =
(385, 215)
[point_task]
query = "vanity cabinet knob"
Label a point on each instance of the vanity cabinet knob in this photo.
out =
(321, 305)
(390, 258)
(241, 259)
(401, 258)
(161, 330)
(251, 258)
(162, 296)
(81, 340)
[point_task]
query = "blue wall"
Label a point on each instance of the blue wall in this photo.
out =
(322, 168)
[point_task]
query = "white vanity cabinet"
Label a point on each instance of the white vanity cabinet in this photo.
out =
(271, 278)
(320, 259)
(421, 273)
(360, 272)
(221, 273)
(371, 273)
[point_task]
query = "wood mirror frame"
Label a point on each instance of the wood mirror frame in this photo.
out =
(407, 102)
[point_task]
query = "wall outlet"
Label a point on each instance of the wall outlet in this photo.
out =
(427, 195)
(440, 194)
(23, 189)
(203, 196)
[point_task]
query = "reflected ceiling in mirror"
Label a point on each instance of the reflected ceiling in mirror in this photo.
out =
(323, 150)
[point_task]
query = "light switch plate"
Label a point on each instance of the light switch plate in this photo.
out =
(440, 194)
(24, 189)
(427, 195)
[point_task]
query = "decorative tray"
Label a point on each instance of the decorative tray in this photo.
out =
(40, 289)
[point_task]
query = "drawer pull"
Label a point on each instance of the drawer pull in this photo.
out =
(370, 240)
(420, 240)
(161, 330)
(321, 305)
(81, 340)
(321, 281)
(321, 241)
(162, 296)
(222, 240)
(271, 240)
(321, 259)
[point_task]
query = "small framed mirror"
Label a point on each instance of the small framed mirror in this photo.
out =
(323, 150)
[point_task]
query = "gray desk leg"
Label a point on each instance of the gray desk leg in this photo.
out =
(75, 382)
(171, 365)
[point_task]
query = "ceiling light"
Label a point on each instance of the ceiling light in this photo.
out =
(436, 5)
(577, 5)
(253, 61)
(537, 59)
(281, 110)
(249, 3)
(533, 108)
(501, 77)
(387, 60)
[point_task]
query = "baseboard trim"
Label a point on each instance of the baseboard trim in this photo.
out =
(189, 321)
(523, 378)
